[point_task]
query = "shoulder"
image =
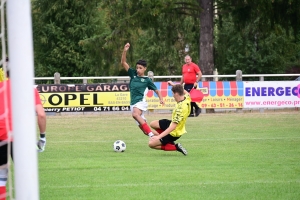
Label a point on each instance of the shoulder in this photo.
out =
(149, 80)
(195, 66)
(187, 97)
(131, 71)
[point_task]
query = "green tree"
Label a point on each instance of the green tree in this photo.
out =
(265, 14)
(61, 30)
(157, 30)
(251, 40)
(252, 53)
(86, 38)
(164, 46)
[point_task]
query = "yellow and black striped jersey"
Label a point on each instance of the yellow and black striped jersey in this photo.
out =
(180, 114)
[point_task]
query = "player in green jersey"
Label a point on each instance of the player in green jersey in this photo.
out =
(169, 131)
(139, 86)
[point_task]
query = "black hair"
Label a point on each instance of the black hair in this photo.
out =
(142, 62)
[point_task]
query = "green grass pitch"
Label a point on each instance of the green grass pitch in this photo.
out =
(230, 156)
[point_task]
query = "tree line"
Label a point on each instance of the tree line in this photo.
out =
(86, 37)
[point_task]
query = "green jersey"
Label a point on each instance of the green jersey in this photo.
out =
(139, 86)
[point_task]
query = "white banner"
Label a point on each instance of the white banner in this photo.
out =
(271, 94)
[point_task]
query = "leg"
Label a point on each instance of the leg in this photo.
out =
(160, 125)
(155, 124)
(154, 143)
(188, 88)
(3, 170)
(3, 180)
(192, 111)
(197, 109)
(167, 144)
(161, 144)
(137, 114)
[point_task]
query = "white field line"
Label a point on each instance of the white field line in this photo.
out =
(169, 184)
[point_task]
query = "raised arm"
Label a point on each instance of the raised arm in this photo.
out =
(123, 59)
(172, 84)
(181, 80)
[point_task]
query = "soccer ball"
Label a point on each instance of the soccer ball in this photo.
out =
(119, 146)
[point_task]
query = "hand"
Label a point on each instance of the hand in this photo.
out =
(155, 132)
(170, 83)
(126, 47)
(195, 85)
(155, 137)
(162, 102)
(41, 144)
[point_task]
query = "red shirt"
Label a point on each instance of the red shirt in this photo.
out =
(6, 112)
(189, 72)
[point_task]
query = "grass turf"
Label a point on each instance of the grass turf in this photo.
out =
(231, 156)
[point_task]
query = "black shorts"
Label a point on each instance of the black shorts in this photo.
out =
(188, 87)
(3, 153)
(164, 124)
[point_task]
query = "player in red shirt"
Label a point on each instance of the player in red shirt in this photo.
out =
(191, 75)
(6, 128)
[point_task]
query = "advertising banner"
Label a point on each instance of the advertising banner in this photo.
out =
(116, 97)
(222, 94)
(272, 94)
(84, 98)
(226, 94)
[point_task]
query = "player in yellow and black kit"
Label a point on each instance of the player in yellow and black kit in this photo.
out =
(169, 131)
(139, 86)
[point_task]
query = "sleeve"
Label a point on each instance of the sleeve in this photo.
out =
(131, 72)
(196, 68)
(37, 97)
(151, 85)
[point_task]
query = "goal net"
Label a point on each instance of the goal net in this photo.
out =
(17, 44)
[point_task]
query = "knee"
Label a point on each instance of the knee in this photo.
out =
(134, 115)
(152, 124)
(153, 144)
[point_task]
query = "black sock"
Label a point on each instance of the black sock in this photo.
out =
(42, 135)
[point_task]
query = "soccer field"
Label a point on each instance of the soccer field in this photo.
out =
(230, 156)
